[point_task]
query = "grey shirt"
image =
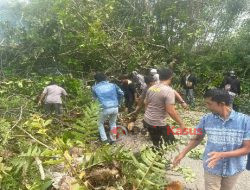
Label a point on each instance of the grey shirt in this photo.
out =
(53, 94)
(157, 97)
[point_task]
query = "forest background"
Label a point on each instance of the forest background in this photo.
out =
(69, 40)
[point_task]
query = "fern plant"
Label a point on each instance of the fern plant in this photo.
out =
(107, 154)
(25, 160)
(85, 129)
(3, 169)
(149, 170)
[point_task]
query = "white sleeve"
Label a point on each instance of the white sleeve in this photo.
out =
(45, 90)
(64, 92)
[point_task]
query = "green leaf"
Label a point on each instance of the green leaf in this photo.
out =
(47, 122)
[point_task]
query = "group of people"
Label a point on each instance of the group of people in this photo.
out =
(135, 88)
(227, 131)
(137, 91)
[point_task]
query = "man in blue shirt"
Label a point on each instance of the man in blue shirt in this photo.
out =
(109, 96)
(228, 142)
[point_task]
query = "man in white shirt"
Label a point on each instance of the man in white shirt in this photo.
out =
(53, 102)
(155, 75)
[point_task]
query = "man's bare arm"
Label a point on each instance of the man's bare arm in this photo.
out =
(191, 145)
(216, 156)
(245, 149)
(139, 105)
(41, 98)
(170, 109)
(180, 99)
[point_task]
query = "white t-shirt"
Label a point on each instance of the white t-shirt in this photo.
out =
(53, 94)
(156, 78)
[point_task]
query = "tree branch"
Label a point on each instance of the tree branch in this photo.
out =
(39, 142)
(159, 46)
(19, 119)
(40, 167)
(111, 55)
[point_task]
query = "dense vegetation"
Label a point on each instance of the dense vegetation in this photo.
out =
(69, 40)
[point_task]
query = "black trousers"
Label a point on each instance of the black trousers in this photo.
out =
(160, 134)
(50, 107)
(248, 162)
(129, 102)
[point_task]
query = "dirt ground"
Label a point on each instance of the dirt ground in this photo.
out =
(191, 118)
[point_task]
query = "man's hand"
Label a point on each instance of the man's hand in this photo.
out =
(133, 113)
(178, 159)
(41, 99)
(182, 126)
(214, 158)
(39, 102)
(184, 105)
(170, 109)
(137, 100)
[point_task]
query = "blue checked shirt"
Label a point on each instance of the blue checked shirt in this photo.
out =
(108, 94)
(223, 136)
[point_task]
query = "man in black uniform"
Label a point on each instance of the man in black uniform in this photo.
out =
(129, 90)
(232, 85)
(188, 82)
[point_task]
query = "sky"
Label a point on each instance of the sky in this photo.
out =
(5, 4)
(8, 14)
(7, 1)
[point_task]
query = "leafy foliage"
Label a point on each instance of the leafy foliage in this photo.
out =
(187, 173)
(196, 154)
(67, 41)
(37, 125)
(150, 172)
(85, 129)
(24, 160)
(113, 35)
(5, 132)
(3, 169)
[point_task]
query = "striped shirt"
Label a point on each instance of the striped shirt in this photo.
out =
(223, 136)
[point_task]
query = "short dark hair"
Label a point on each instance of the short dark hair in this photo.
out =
(148, 79)
(218, 95)
(165, 74)
(99, 77)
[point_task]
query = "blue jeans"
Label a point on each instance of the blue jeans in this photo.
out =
(109, 114)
